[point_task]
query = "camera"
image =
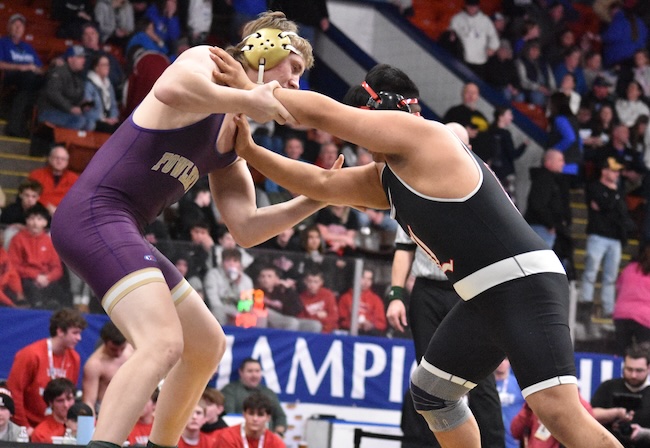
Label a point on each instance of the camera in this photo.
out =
(631, 402)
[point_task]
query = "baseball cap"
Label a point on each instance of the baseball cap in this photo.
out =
(612, 164)
(74, 50)
(15, 17)
(6, 401)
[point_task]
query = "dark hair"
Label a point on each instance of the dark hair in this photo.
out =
(384, 77)
(304, 236)
(559, 105)
(638, 351)
(37, 209)
(94, 61)
(110, 332)
(77, 409)
(248, 360)
(65, 319)
(499, 111)
(257, 401)
(56, 388)
(30, 184)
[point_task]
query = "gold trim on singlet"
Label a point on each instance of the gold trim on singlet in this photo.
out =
(128, 284)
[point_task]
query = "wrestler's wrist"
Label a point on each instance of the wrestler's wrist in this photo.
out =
(396, 293)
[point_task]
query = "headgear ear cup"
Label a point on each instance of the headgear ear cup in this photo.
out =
(266, 48)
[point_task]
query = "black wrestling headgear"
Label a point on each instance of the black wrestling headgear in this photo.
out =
(387, 100)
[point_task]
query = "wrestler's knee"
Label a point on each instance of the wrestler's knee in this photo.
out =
(439, 400)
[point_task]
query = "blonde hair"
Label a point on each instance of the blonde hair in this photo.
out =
(275, 20)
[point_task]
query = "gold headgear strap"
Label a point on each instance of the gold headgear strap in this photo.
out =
(266, 48)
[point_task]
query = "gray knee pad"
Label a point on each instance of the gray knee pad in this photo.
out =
(438, 397)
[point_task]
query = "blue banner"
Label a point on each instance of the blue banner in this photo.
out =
(314, 368)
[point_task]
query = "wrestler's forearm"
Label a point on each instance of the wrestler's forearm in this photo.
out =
(402, 261)
(268, 222)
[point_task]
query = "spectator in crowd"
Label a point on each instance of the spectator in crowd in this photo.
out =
(199, 20)
(571, 64)
(167, 25)
(601, 128)
(139, 435)
(600, 94)
(641, 71)
(564, 134)
(630, 425)
(213, 402)
(466, 113)
(284, 241)
(41, 272)
(250, 382)
(327, 155)
(224, 286)
(510, 398)
(145, 38)
(567, 86)
(548, 211)
(332, 267)
(529, 30)
(21, 69)
(503, 152)
(528, 429)
(319, 302)
(59, 398)
(608, 224)
(9, 431)
(535, 75)
(44, 360)
(192, 435)
(102, 364)
(185, 266)
(294, 147)
(556, 51)
(629, 108)
(71, 14)
(55, 178)
(257, 410)
(103, 113)
(338, 226)
(623, 36)
(226, 241)
(194, 206)
(501, 72)
(116, 21)
(243, 11)
(619, 147)
(79, 408)
(202, 248)
(282, 302)
(593, 68)
(11, 288)
(632, 309)
(478, 35)
(62, 101)
(92, 46)
(372, 314)
(638, 140)
(29, 193)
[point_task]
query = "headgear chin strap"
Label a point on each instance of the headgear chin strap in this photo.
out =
(266, 48)
(387, 100)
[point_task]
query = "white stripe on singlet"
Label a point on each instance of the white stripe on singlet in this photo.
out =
(522, 265)
(181, 291)
(446, 376)
(556, 381)
(128, 284)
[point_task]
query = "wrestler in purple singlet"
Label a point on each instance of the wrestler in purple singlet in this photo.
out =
(136, 174)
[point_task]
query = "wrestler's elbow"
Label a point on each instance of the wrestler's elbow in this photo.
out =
(244, 237)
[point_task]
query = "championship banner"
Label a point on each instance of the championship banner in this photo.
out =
(339, 370)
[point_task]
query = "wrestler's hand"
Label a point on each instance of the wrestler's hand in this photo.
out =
(244, 142)
(229, 71)
(263, 106)
(396, 315)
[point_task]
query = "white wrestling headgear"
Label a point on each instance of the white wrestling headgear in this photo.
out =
(266, 48)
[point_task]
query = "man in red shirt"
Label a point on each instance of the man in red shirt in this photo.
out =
(372, 315)
(253, 432)
(192, 436)
(44, 360)
(59, 396)
(55, 177)
(319, 302)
